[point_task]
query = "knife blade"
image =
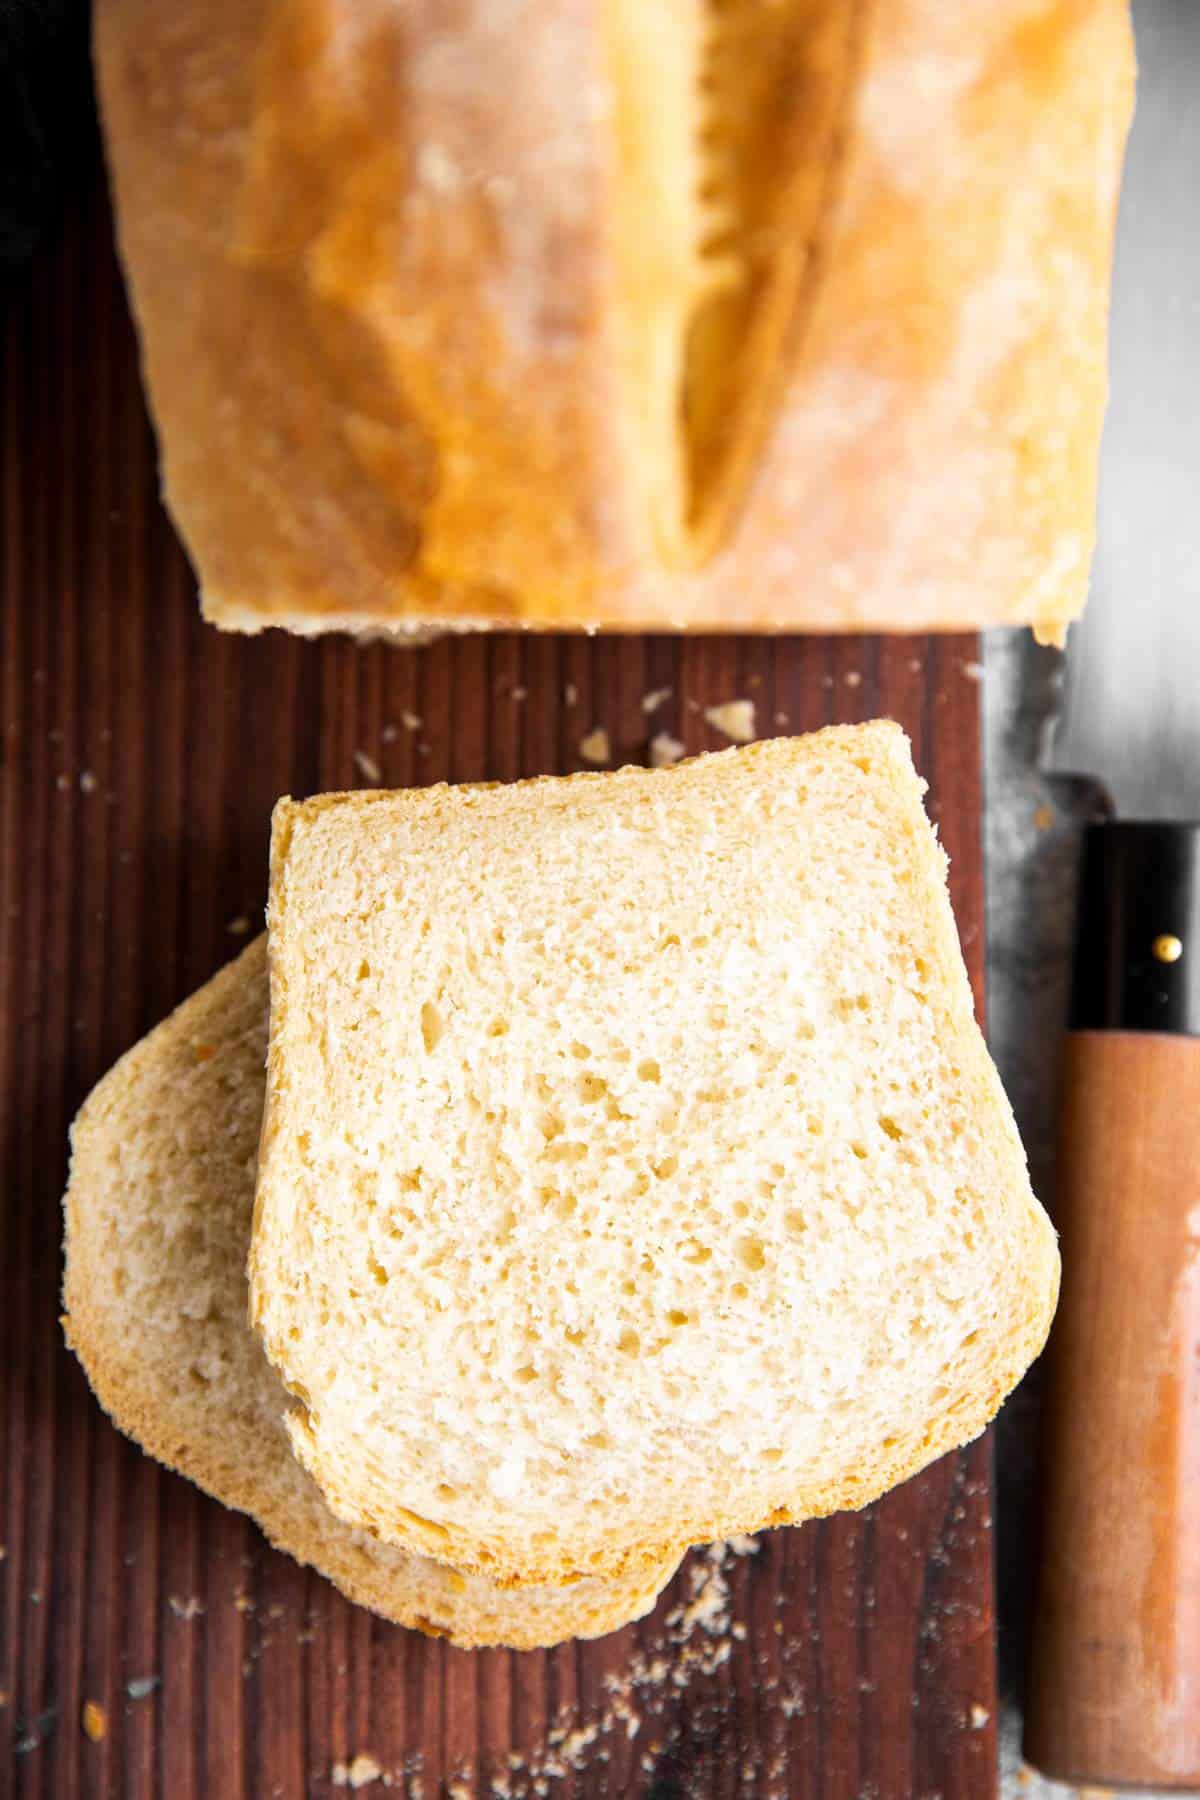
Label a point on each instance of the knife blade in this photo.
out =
(1131, 704)
(1115, 1672)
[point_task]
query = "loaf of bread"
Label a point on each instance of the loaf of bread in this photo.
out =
(157, 1224)
(649, 313)
(633, 1170)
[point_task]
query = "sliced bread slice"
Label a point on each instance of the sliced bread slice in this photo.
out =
(633, 1169)
(157, 1223)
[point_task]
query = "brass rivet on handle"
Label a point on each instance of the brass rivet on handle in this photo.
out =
(1167, 948)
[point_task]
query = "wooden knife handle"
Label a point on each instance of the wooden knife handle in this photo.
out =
(1115, 1674)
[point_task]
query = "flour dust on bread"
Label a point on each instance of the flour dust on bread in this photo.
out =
(157, 1224)
(633, 1169)
(636, 313)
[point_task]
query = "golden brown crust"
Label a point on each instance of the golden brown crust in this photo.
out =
(394, 344)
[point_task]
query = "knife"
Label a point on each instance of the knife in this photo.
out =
(1115, 1667)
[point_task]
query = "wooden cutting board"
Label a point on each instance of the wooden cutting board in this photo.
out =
(142, 752)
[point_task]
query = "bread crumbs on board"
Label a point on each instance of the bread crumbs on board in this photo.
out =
(367, 767)
(698, 1640)
(734, 719)
(595, 747)
(360, 1772)
(665, 751)
(654, 699)
(95, 1721)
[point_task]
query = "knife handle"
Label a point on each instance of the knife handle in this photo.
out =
(1115, 1670)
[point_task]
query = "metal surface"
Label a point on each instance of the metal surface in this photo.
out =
(1131, 712)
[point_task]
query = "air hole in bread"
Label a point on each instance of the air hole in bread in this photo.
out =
(772, 1456)
(592, 1088)
(665, 1167)
(420, 1526)
(890, 1128)
(629, 1343)
(432, 1027)
(525, 1374)
(751, 1255)
(649, 1070)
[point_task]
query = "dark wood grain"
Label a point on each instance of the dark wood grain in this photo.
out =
(142, 752)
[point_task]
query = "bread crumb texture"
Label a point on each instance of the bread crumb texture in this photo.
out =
(157, 1227)
(633, 1170)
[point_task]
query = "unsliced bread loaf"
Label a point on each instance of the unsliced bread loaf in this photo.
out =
(633, 1169)
(157, 1223)
(637, 313)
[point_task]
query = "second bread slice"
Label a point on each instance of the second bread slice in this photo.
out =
(633, 1169)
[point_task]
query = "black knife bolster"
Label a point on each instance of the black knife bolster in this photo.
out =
(1137, 943)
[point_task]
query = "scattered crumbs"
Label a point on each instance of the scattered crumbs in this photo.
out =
(595, 747)
(518, 694)
(458, 1790)
(979, 1717)
(422, 749)
(754, 681)
(738, 1630)
(654, 699)
(367, 767)
(87, 782)
(914, 666)
(3, 1698)
(238, 927)
(95, 1721)
(693, 706)
(853, 678)
(3, 1551)
(359, 1772)
(570, 694)
(62, 783)
(974, 671)
(35, 1596)
(734, 719)
(1043, 818)
(742, 1544)
(411, 721)
(142, 1686)
(388, 735)
(665, 750)
(191, 1608)
(243, 1602)
(827, 681)
(781, 718)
